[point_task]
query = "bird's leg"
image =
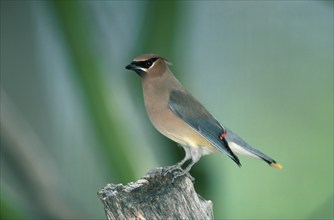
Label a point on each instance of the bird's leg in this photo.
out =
(196, 154)
(188, 168)
(186, 157)
(178, 166)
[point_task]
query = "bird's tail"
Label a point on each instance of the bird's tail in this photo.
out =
(240, 146)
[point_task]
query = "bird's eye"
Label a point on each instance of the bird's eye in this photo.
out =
(148, 63)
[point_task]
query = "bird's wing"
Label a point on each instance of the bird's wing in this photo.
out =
(191, 111)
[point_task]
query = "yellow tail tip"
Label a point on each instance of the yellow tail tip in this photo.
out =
(276, 166)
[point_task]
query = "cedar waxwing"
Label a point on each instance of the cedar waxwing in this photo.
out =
(175, 113)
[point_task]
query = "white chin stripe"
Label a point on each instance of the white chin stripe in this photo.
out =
(143, 69)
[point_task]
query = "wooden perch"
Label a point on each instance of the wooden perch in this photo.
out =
(156, 196)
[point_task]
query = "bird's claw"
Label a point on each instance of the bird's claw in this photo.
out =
(176, 171)
(183, 173)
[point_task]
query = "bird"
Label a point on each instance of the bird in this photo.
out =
(179, 116)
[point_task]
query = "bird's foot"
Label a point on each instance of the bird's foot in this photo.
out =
(176, 171)
(183, 173)
(173, 168)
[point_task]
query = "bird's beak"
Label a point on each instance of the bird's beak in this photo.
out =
(131, 67)
(135, 68)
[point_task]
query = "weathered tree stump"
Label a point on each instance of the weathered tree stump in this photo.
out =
(157, 195)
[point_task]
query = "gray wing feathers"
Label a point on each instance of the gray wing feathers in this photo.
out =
(186, 107)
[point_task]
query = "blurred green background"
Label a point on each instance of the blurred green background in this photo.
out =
(73, 119)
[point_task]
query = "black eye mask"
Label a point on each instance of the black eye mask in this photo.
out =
(145, 64)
